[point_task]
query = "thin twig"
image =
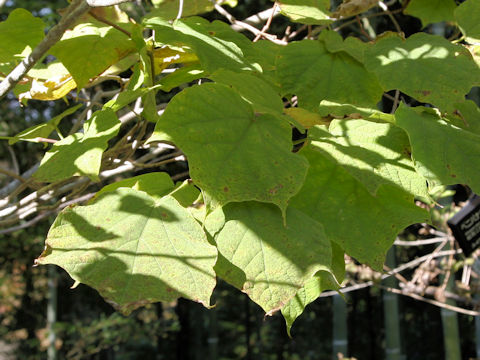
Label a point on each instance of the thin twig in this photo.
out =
(384, 7)
(396, 100)
(108, 22)
(16, 167)
(435, 240)
(246, 26)
(267, 25)
(11, 174)
(431, 301)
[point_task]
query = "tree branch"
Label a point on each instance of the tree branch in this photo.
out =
(100, 3)
(74, 11)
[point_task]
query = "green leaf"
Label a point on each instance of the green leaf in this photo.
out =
(311, 12)
(314, 287)
(19, 34)
(431, 11)
(234, 153)
(87, 50)
(265, 259)
(253, 89)
(133, 249)
(364, 225)
(155, 185)
(168, 9)
(467, 21)
(43, 130)
(329, 108)
(426, 67)
(181, 76)
(308, 70)
(125, 97)
(443, 153)
(466, 116)
(374, 153)
(216, 44)
(80, 154)
(351, 45)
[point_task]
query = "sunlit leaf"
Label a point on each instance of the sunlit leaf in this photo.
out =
(312, 12)
(308, 70)
(374, 153)
(234, 153)
(426, 67)
(80, 154)
(134, 250)
(216, 44)
(19, 34)
(87, 50)
(364, 225)
(267, 260)
(43, 130)
(448, 155)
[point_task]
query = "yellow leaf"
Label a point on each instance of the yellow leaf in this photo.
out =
(166, 56)
(50, 89)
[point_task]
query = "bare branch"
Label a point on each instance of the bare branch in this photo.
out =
(100, 3)
(74, 11)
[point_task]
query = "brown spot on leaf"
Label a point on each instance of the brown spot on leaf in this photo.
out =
(164, 215)
(275, 189)
(226, 189)
(425, 92)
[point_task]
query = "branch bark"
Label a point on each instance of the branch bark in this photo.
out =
(74, 11)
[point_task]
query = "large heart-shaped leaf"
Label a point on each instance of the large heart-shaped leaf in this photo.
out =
(134, 249)
(234, 153)
(426, 67)
(307, 69)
